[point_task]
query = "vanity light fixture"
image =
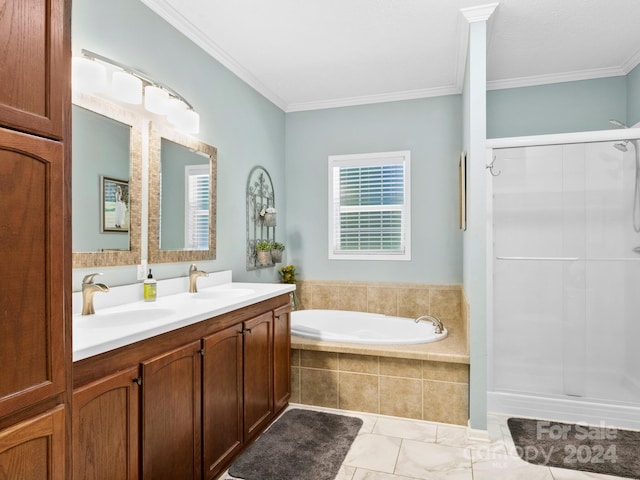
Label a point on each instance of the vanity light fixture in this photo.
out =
(90, 75)
(87, 75)
(126, 88)
(156, 100)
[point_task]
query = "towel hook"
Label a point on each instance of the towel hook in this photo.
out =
(490, 167)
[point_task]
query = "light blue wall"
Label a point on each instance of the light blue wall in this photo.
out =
(432, 130)
(579, 106)
(633, 96)
(246, 128)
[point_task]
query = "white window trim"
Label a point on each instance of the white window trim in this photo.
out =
(378, 158)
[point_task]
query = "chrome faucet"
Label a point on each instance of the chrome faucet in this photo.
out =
(194, 273)
(89, 289)
(437, 323)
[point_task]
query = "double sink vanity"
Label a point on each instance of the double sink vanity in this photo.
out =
(177, 387)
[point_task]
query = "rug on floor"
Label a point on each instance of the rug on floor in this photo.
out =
(300, 445)
(604, 450)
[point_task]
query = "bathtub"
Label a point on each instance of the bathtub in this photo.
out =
(359, 327)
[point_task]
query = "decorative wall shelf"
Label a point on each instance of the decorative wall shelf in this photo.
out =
(260, 197)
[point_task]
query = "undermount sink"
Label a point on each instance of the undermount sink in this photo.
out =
(123, 318)
(221, 293)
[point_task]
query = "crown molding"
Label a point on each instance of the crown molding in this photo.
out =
(168, 13)
(378, 98)
(479, 13)
(555, 78)
(632, 62)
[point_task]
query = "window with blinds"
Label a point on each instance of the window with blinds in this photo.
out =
(196, 217)
(369, 206)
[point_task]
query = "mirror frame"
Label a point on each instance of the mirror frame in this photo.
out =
(156, 255)
(120, 114)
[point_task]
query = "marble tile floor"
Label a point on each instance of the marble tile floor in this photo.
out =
(391, 448)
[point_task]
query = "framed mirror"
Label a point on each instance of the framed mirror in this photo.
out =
(106, 183)
(182, 197)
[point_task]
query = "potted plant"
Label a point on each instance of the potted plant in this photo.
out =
(268, 215)
(276, 251)
(263, 252)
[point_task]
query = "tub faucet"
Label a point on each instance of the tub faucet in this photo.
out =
(89, 289)
(437, 323)
(194, 273)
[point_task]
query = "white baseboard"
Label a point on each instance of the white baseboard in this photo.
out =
(477, 435)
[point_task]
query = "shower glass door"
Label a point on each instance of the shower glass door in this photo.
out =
(566, 276)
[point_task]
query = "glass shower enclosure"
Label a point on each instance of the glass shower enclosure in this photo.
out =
(565, 323)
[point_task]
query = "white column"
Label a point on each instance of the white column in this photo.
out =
(474, 246)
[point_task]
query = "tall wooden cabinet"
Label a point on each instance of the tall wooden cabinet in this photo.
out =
(35, 235)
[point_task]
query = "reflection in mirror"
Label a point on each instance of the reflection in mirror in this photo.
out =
(184, 206)
(106, 183)
(182, 199)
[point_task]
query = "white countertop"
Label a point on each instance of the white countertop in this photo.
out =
(122, 317)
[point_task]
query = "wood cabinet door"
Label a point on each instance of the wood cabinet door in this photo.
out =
(281, 358)
(32, 345)
(171, 415)
(105, 428)
(221, 398)
(258, 373)
(34, 78)
(34, 448)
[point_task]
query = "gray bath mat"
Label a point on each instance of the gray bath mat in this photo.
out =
(300, 445)
(603, 450)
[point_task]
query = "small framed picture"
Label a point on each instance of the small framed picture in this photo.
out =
(114, 205)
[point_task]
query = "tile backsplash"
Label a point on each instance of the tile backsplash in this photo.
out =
(400, 299)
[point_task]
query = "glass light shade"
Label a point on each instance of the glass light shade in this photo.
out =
(175, 105)
(156, 100)
(176, 110)
(126, 88)
(87, 75)
(186, 120)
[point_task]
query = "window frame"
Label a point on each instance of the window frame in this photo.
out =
(196, 170)
(363, 160)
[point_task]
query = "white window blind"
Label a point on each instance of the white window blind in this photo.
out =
(369, 206)
(196, 207)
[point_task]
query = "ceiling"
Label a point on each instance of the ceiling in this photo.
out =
(310, 54)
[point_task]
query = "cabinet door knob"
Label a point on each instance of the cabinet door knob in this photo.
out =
(138, 380)
(245, 331)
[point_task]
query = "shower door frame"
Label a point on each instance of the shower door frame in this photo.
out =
(516, 404)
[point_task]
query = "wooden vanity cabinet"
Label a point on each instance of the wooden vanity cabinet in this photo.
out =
(222, 398)
(207, 391)
(258, 374)
(171, 413)
(237, 389)
(281, 357)
(106, 428)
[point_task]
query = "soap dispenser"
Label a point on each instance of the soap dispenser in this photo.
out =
(150, 288)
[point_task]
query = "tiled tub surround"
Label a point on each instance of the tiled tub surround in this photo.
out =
(423, 381)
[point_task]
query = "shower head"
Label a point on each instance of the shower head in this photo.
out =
(617, 123)
(622, 146)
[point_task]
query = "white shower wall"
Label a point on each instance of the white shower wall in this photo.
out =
(566, 282)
